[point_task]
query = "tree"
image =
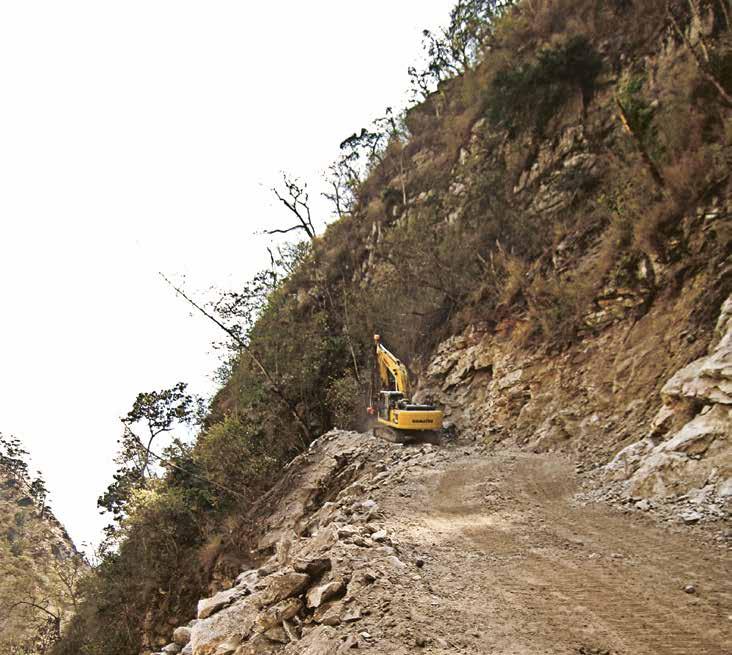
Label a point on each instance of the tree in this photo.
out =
(360, 153)
(152, 414)
(456, 49)
(295, 198)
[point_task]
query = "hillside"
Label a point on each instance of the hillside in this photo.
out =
(544, 237)
(40, 568)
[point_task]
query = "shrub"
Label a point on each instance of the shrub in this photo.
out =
(529, 95)
(346, 402)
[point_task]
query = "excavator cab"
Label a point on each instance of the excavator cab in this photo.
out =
(388, 401)
(398, 419)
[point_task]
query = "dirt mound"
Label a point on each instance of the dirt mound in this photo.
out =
(453, 549)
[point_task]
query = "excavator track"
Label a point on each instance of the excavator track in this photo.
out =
(402, 436)
(391, 435)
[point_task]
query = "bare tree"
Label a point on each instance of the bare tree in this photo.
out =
(295, 198)
(244, 347)
(701, 56)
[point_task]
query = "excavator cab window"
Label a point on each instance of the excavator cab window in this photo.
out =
(388, 400)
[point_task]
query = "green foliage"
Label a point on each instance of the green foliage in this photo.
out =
(237, 453)
(527, 96)
(346, 401)
(637, 109)
(456, 49)
(152, 414)
(39, 569)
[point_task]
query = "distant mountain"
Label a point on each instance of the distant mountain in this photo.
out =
(40, 567)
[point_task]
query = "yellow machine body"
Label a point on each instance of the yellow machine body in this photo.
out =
(395, 412)
(413, 420)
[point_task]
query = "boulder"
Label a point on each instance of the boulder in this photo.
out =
(277, 634)
(283, 585)
(322, 641)
(248, 579)
(329, 613)
(688, 459)
(257, 645)
(182, 635)
(228, 647)
(708, 379)
(275, 615)
(322, 593)
(237, 619)
(209, 606)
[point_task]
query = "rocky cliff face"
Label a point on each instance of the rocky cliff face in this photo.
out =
(39, 570)
(687, 452)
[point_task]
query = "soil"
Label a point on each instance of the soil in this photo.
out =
(506, 561)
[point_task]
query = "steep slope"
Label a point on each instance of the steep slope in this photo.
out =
(457, 548)
(545, 239)
(40, 568)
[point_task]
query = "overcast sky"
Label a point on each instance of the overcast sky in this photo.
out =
(141, 136)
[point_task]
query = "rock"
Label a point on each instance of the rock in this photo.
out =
(257, 645)
(209, 606)
(248, 579)
(283, 585)
(275, 615)
(643, 505)
(172, 648)
(690, 589)
(350, 642)
(396, 562)
(237, 619)
(187, 650)
(321, 641)
(419, 562)
(709, 378)
(347, 531)
(229, 647)
(313, 567)
(691, 517)
(322, 593)
(291, 630)
(351, 614)
(182, 635)
(283, 548)
(379, 536)
(277, 634)
(329, 614)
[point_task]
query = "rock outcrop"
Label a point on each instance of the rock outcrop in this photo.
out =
(688, 450)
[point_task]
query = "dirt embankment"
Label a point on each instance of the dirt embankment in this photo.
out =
(455, 549)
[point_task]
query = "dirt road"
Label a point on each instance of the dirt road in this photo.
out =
(512, 565)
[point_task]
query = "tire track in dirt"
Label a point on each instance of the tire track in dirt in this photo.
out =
(544, 576)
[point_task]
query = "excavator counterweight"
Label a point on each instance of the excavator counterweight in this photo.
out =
(397, 418)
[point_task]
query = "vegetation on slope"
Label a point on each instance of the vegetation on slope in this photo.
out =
(439, 227)
(39, 566)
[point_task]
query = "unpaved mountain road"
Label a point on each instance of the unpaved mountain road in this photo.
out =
(513, 565)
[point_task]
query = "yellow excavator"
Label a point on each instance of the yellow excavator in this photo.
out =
(398, 419)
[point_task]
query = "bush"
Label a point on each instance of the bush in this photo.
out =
(346, 402)
(529, 95)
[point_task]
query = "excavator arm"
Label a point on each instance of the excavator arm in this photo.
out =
(392, 373)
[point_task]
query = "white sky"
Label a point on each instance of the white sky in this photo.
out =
(141, 136)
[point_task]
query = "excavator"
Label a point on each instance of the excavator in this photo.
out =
(399, 420)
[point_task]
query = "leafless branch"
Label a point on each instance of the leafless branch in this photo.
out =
(277, 390)
(297, 201)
